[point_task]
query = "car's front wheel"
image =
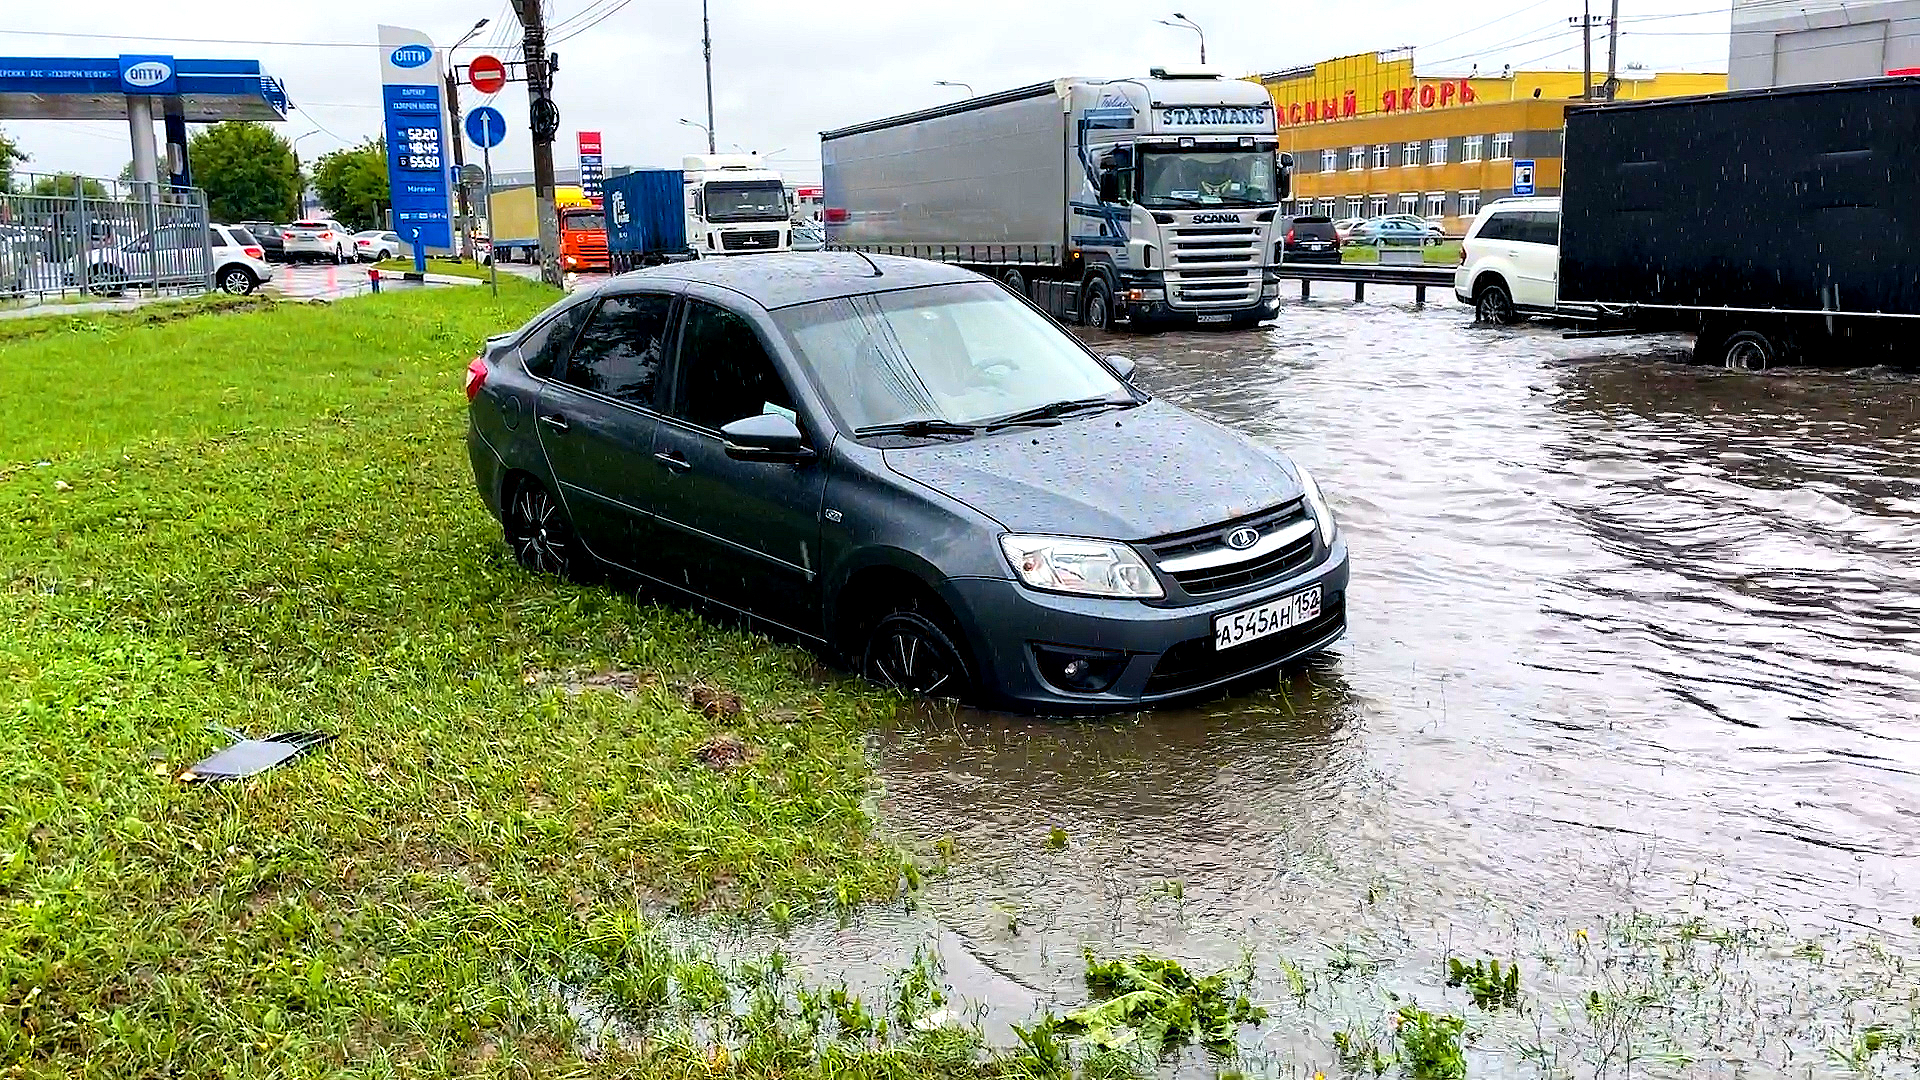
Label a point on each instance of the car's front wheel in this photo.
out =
(237, 281)
(1096, 311)
(910, 652)
(539, 533)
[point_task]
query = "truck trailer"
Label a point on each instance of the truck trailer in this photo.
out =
(714, 204)
(1775, 224)
(514, 225)
(1143, 199)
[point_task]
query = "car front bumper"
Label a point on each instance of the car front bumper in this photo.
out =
(1168, 652)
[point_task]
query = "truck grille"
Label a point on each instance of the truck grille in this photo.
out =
(1204, 565)
(1215, 266)
(750, 241)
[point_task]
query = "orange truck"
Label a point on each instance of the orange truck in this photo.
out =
(515, 228)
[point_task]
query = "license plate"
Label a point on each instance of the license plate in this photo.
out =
(1249, 624)
(1313, 245)
(1213, 318)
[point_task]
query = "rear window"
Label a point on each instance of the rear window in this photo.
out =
(241, 235)
(1522, 226)
(1311, 219)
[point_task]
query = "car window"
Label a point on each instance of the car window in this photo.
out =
(1543, 227)
(725, 373)
(242, 237)
(1500, 227)
(545, 344)
(620, 349)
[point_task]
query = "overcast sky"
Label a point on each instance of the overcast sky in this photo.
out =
(785, 71)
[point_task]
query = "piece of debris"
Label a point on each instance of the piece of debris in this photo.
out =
(715, 704)
(723, 752)
(575, 683)
(250, 757)
(62, 485)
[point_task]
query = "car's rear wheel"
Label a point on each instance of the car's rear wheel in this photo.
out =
(1494, 304)
(910, 652)
(108, 281)
(539, 533)
(237, 281)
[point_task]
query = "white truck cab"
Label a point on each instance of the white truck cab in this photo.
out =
(735, 205)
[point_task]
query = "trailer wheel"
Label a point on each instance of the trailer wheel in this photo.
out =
(1015, 280)
(1750, 351)
(1096, 309)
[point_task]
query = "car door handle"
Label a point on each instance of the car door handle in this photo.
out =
(672, 461)
(554, 421)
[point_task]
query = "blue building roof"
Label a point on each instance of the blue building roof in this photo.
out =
(96, 88)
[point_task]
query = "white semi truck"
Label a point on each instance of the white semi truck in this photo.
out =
(1143, 200)
(714, 204)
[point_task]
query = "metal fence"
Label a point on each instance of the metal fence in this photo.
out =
(64, 236)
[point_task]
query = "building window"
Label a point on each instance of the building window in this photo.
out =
(1469, 203)
(1410, 202)
(1410, 154)
(1382, 155)
(1471, 150)
(1357, 158)
(1503, 145)
(1377, 205)
(1324, 207)
(1329, 160)
(1436, 204)
(1437, 152)
(1355, 206)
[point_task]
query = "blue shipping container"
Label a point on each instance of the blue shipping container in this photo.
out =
(646, 214)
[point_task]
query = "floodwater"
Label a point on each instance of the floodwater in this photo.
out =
(1630, 640)
(1626, 636)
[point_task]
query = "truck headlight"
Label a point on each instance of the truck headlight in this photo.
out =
(1321, 512)
(1151, 294)
(1082, 567)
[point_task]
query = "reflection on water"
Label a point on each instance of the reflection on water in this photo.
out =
(1622, 629)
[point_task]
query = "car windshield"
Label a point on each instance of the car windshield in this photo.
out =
(1207, 178)
(758, 200)
(962, 354)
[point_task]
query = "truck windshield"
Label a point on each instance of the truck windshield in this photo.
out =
(1207, 178)
(595, 220)
(758, 200)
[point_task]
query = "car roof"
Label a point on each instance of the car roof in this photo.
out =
(1524, 202)
(782, 279)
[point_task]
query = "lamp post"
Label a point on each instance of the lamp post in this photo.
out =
(1189, 24)
(702, 127)
(968, 87)
(461, 212)
(706, 49)
(293, 146)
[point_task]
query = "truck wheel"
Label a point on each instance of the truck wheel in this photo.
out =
(1494, 304)
(1015, 280)
(1749, 350)
(1096, 309)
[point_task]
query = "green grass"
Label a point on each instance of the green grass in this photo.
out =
(1445, 253)
(263, 519)
(435, 266)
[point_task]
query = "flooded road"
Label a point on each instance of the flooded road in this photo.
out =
(1627, 636)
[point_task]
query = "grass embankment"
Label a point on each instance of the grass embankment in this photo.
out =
(1445, 253)
(435, 266)
(264, 520)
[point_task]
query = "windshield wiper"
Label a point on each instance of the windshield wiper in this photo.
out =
(1054, 410)
(923, 426)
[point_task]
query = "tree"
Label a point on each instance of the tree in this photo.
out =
(62, 184)
(353, 184)
(9, 154)
(248, 172)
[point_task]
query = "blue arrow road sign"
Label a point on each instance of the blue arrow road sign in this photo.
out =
(486, 127)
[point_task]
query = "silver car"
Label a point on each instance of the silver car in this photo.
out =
(317, 239)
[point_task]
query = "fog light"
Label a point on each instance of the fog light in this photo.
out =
(1079, 671)
(1149, 296)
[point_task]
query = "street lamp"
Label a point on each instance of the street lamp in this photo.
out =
(293, 147)
(968, 87)
(1190, 25)
(461, 211)
(702, 127)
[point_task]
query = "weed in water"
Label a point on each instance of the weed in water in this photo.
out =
(1430, 1045)
(1360, 1051)
(1150, 1004)
(1056, 838)
(1490, 985)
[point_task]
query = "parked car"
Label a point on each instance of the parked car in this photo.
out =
(177, 255)
(317, 239)
(377, 244)
(905, 463)
(1510, 260)
(1310, 238)
(1383, 232)
(1345, 226)
(806, 234)
(267, 235)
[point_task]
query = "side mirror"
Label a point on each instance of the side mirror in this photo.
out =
(1109, 185)
(767, 437)
(1122, 366)
(1286, 175)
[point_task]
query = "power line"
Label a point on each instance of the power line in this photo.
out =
(194, 40)
(1484, 25)
(596, 22)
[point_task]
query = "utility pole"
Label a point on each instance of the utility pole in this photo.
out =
(463, 212)
(706, 46)
(545, 123)
(1613, 48)
(1585, 19)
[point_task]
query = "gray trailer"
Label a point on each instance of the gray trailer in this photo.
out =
(1143, 200)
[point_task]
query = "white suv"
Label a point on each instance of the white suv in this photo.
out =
(1510, 260)
(316, 239)
(176, 255)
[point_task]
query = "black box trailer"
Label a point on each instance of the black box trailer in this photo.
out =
(1776, 223)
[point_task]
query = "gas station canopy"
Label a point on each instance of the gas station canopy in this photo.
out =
(100, 88)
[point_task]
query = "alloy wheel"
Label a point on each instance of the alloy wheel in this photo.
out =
(1494, 305)
(538, 532)
(908, 652)
(236, 282)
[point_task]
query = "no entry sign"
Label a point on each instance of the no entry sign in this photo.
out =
(486, 74)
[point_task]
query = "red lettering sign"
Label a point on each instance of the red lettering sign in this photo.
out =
(1388, 101)
(1427, 95)
(1293, 113)
(1313, 111)
(1446, 93)
(1467, 95)
(1329, 109)
(1349, 104)
(1406, 99)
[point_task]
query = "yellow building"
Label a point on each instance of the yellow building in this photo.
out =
(1371, 137)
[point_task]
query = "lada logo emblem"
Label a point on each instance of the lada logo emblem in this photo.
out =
(1243, 538)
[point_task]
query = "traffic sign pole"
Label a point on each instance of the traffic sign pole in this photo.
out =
(493, 257)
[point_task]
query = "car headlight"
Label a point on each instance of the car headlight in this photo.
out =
(1321, 512)
(1082, 567)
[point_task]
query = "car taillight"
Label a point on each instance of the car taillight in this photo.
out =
(326, 236)
(1289, 236)
(286, 236)
(255, 253)
(476, 376)
(835, 214)
(1463, 254)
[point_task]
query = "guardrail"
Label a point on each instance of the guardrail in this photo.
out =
(1364, 274)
